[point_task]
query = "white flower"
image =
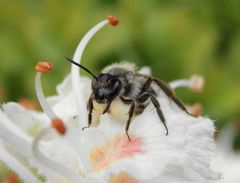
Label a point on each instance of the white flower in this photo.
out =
(103, 154)
(226, 160)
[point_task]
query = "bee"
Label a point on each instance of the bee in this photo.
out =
(120, 82)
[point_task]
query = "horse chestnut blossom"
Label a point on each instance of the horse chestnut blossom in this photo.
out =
(53, 143)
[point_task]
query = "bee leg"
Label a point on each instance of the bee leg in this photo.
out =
(107, 107)
(168, 91)
(130, 114)
(144, 96)
(116, 89)
(147, 84)
(90, 108)
(159, 112)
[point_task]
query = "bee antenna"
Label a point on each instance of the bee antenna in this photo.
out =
(81, 66)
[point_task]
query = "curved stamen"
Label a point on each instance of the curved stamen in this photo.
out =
(179, 83)
(52, 165)
(44, 67)
(41, 98)
(77, 57)
(195, 83)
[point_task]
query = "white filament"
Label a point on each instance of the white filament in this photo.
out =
(17, 167)
(52, 165)
(195, 83)
(48, 163)
(41, 98)
(75, 70)
(180, 83)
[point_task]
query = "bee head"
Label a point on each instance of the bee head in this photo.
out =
(105, 88)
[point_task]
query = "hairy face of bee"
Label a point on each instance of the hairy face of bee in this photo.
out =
(105, 88)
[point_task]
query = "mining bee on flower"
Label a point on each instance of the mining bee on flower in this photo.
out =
(120, 82)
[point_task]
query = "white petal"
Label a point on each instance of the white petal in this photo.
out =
(186, 151)
(19, 141)
(49, 163)
(64, 104)
(14, 136)
(60, 151)
(27, 120)
(226, 160)
(65, 87)
(17, 167)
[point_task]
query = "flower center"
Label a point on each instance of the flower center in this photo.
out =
(115, 149)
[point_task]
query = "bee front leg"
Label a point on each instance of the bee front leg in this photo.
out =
(107, 107)
(90, 108)
(130, 114)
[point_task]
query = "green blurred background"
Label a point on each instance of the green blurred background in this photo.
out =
(176, 38)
